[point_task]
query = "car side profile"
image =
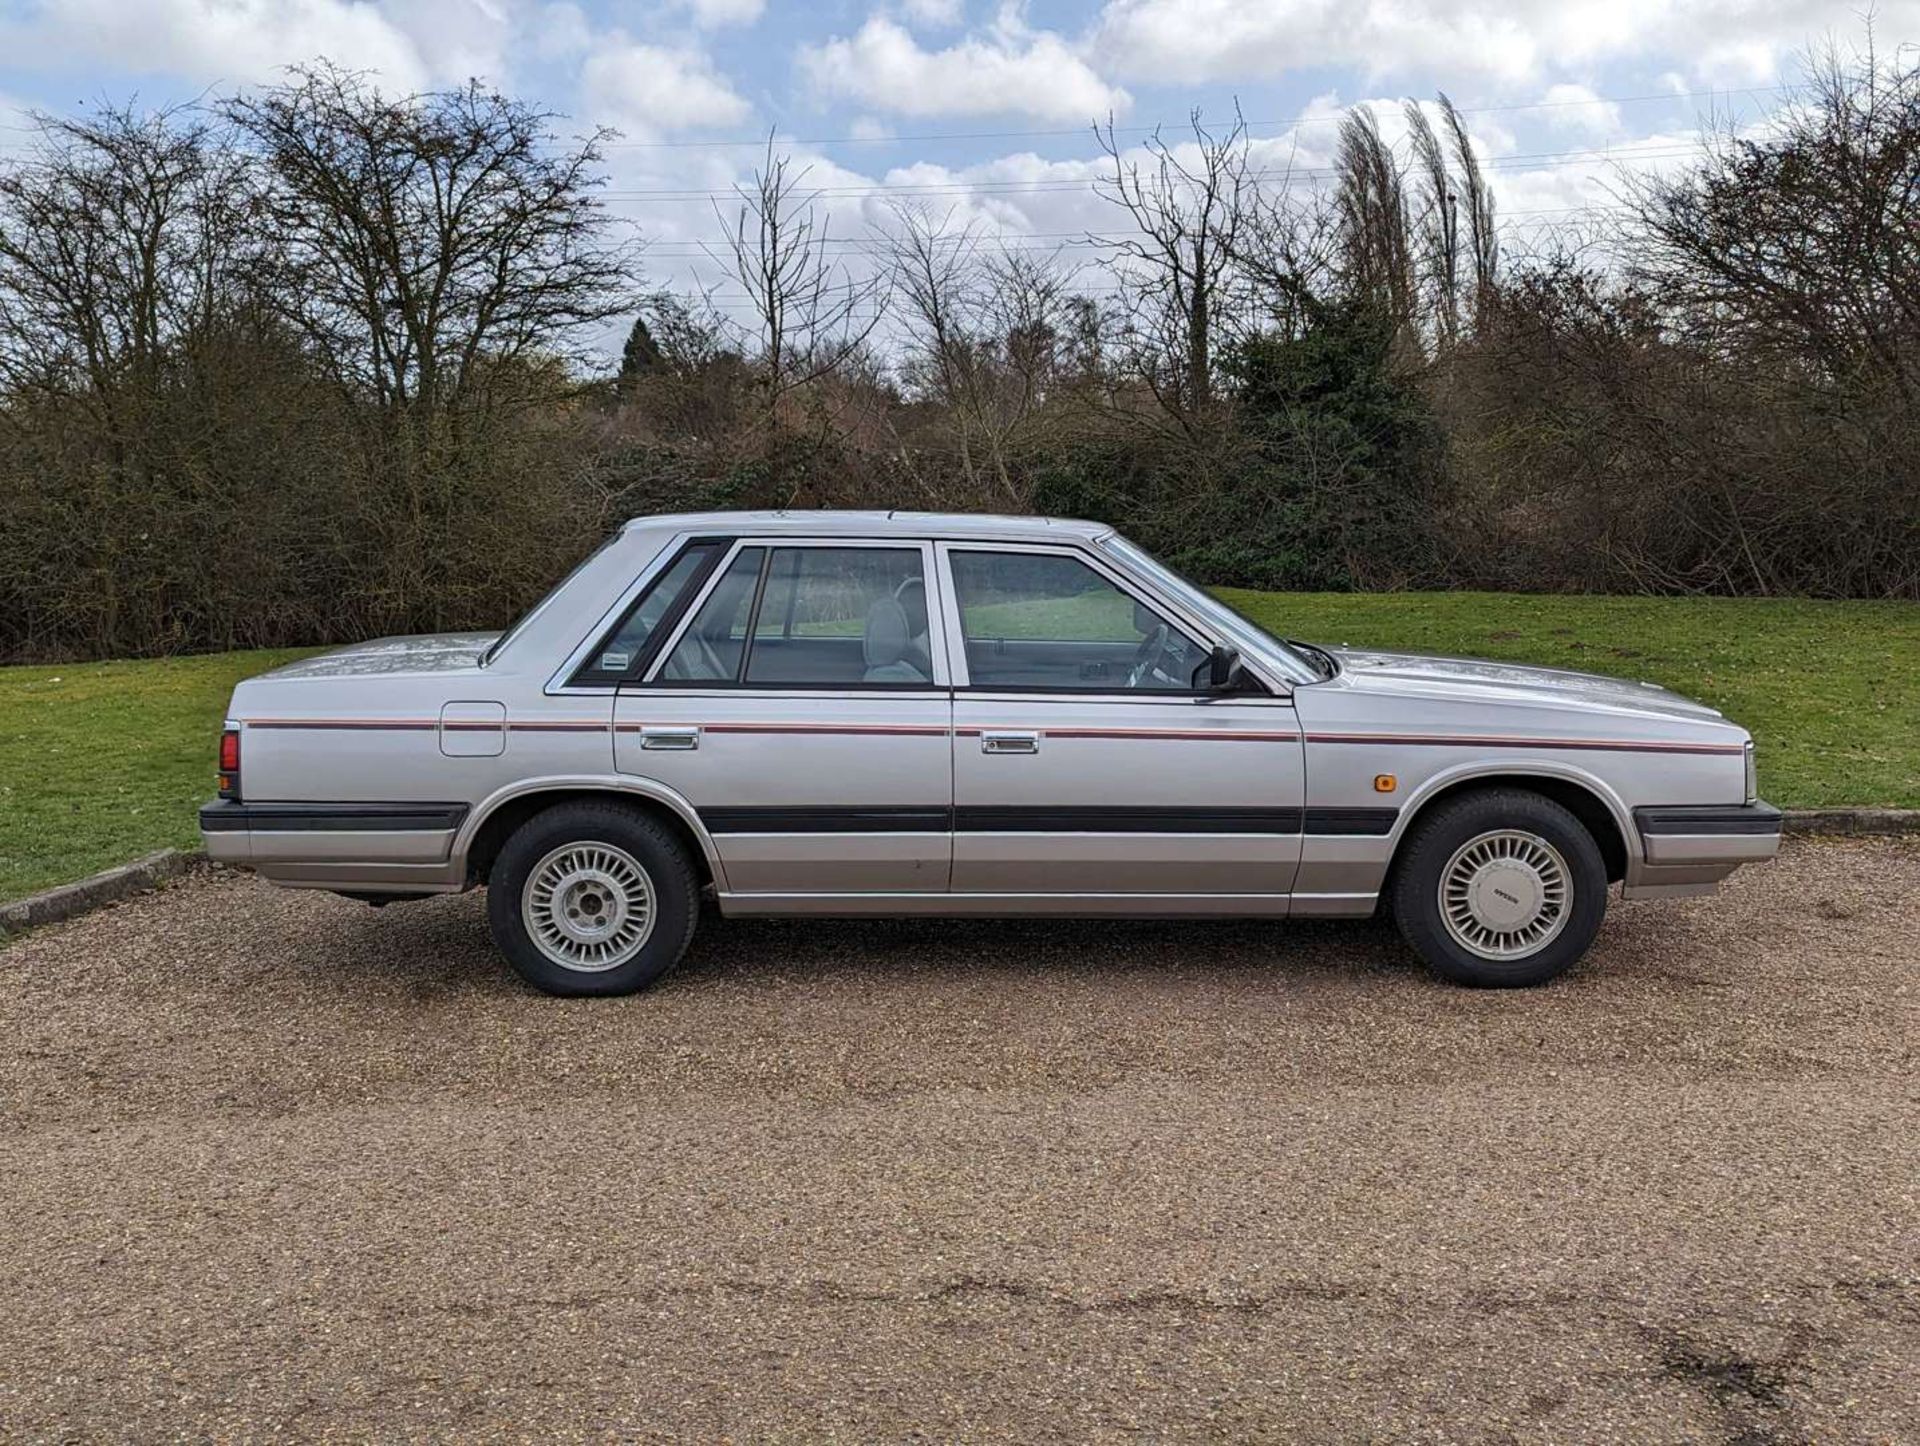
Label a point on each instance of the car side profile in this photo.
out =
(818, 713)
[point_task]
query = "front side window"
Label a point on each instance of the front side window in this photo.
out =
(1045, 621)
(811, 617)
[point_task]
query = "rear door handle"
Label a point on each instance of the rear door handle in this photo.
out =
(680, 739)
(1009, 742)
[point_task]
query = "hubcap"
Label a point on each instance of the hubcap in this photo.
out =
(588, 906)
(1505, 894)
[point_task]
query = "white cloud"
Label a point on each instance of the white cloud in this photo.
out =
(648, 90)
(1010, 70)
(1569, 107)
(934, 12)
(1719, 41)
(711, 14)
(225, 40)
(560, 30)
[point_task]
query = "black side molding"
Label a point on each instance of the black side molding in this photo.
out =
(1749, 818)
(1377, 822)
(1093, 818)
(1046, 818)
(877, 819)
(330, 817)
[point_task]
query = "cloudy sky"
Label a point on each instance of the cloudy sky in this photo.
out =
(977, 107)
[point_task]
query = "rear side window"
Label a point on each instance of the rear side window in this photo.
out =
(810, 617)
(842, 616)
(625, 652)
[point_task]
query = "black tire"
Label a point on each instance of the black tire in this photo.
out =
(1439, 834)
(669, 874)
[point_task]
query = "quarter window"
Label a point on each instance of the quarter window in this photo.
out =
(1045, 621)
(628, 645)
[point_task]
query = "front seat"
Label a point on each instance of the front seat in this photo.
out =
(886, 642)
(912, 595)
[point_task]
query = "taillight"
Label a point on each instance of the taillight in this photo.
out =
(230, 763)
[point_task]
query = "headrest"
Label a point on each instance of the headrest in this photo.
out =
(912, 595)
(887, 635)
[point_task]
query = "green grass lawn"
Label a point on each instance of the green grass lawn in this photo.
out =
(102, 762)
(1829, 690)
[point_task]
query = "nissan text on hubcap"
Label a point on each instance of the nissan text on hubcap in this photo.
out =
(1505, 894)
(588, 906)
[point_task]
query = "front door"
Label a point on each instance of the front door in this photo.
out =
(802, 711)
(1086, 762)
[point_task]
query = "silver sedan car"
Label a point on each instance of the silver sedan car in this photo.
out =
(906, 714)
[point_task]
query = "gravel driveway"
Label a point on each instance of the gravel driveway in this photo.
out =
(276, 1164)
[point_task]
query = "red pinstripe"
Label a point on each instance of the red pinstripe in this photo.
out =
(928, 730)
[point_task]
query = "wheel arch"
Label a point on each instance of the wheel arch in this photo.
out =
(490, 823)
(1599, 809)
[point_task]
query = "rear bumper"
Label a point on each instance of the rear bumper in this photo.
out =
(1690, 834)
(371, 846)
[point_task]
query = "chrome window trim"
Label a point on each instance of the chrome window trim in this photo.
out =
(652, 686)
(1127, 583)
(924, 692)
(1074, 695)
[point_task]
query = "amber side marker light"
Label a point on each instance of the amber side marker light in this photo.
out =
(1385, 783)
(230, 763)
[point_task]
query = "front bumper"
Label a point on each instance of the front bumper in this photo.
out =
(1710, 834)
(1689, 848)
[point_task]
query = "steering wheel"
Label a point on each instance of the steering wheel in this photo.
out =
(1153, 647)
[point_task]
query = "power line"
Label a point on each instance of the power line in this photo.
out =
(1015, 241)
(777, 140)
(1520, 162)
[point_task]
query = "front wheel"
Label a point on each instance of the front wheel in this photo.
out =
(1500, 889)
(592, 898)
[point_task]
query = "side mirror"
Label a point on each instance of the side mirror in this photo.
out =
(1223, 673)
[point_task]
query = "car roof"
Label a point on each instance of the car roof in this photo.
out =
(872, 524)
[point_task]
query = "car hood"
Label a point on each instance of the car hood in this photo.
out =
(1412, 674)
(424, 653)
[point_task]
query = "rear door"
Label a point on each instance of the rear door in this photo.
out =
(803, 710)
(1086, 762)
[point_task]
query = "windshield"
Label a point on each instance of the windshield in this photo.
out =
(1244, 634)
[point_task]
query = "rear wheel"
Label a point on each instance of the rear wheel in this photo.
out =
(1500, 889)
(592, 898)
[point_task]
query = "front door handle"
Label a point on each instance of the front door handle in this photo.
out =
(1009, 742)
(680, 739)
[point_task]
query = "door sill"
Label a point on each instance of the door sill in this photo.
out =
(1083, 906)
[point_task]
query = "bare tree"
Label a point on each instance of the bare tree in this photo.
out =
(1436, 228)
(1482, 238)
(982, 336)
(1288, 253)
(115, 242)
(1804, 245)
(1188, 203)
(420, 242)
(1376, 252)
(119, 299)
(812, 315)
